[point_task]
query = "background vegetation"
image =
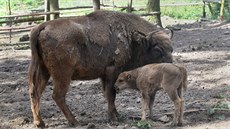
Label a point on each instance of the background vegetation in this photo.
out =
(179, 12)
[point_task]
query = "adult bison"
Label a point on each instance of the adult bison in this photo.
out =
(99, 45)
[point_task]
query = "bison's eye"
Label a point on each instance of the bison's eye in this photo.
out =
(159, 51)
(120, 80)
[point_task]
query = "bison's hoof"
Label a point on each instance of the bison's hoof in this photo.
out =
(39, 124)
(114, 117)
(73, 124)
(179, 124)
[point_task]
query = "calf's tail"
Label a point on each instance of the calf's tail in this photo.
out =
(185, 77)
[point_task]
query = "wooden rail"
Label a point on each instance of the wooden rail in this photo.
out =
(37, 18)
(30, 14)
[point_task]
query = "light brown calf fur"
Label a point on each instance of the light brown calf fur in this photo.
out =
(153, 77)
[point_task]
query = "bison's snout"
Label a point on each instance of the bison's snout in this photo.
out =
(168, 59)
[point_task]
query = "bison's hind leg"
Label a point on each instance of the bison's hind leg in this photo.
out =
(61, 79)
(38, 79)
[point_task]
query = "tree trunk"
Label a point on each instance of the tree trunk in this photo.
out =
(54, 6)
(47, 9)
(154, 6)
(96, 5)
(8, 7)
(129, 8)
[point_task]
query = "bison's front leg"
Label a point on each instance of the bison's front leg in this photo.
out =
(109, 92)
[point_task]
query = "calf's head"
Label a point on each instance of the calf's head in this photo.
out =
(125, 80)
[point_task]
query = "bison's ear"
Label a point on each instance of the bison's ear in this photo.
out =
(150, 35)
(128, 76)
(167, 31)
(139, 37)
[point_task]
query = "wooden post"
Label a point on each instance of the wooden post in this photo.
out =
(54, 6)
(47, 9)
(96, 5)
(154, 6)
(9, 8)
(129, 8)
(222, 10)
(204, 13)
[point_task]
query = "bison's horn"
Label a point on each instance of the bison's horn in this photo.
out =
(171, 32)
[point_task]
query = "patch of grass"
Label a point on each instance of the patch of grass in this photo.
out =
(122, 118)
(220, 96)
(182, 12)
(220, 117)
(143, 124)
(219, 105)
(222, 105)
(210, 111)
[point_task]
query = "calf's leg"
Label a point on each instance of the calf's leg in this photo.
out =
(37, 83)
(177, 104)
(151, 102)
(145, 104)
(180, 94)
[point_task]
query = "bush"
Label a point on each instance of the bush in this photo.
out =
(215, 10)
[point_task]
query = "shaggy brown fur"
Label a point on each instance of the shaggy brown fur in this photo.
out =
(99, 45)
(153, 77)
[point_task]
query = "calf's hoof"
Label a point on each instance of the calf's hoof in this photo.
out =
(39, 124)
(173, 124)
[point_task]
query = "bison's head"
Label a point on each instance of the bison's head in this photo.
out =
(160, 47)
(155, 46)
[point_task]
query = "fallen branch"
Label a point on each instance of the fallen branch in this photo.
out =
(157, 116)
(3, 91)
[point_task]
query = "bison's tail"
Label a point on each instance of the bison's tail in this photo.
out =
(37, 70)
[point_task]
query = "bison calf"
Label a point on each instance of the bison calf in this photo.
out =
(153, 77)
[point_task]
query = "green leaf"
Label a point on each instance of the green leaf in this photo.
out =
(210, 111)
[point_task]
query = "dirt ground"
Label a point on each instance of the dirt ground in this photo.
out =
(203, 47)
